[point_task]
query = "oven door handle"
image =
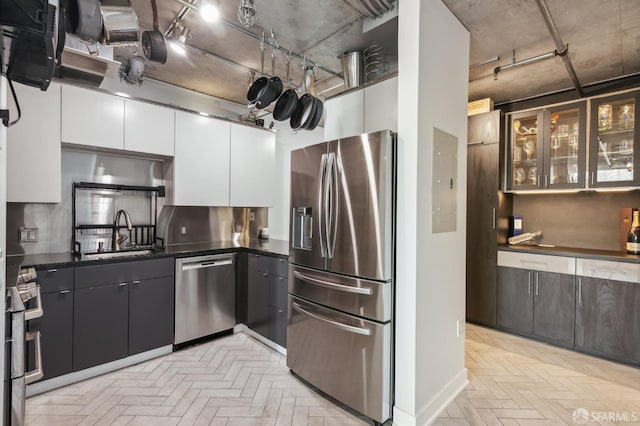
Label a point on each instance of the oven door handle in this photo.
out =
(37, 373)
(333, 286)
(35, 312)
(345, 327)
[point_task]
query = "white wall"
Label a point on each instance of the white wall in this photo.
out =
(430, 271)
(3, 222)
(285, 143)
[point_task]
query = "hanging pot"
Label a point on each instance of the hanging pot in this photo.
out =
(270, 93)
(317, 115)
(286, 105)
(84, 20)
(154, 45)
(303, 113)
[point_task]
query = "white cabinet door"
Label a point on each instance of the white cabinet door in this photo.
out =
(201, 163)
(344, 116)
(148, 128)
(253, 167)
(34, 166)
(381, 106)
(92, 118)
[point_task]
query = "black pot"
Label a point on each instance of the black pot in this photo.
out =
(256, 89)
(303, 113)
(317, 115)
(286, 105)
(270, 93)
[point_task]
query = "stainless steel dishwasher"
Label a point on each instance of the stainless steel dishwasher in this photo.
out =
(205, 296)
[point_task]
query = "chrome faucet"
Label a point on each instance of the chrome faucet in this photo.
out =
(117, 238)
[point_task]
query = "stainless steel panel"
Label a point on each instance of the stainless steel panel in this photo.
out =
(18, 401)
(361, 214)
(306, 191)
(346, 357)
(205, 296)
(365, 298)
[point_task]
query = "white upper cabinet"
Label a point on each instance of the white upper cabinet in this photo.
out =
(253, 167)
(344, 116)
(92, 118)
(200, 170)
(362, 111)
(381, 106)
(34, 166)
(148, 128)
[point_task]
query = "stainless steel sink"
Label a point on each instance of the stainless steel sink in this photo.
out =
(116, 254)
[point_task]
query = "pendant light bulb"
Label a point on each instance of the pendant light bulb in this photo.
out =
(209, 13)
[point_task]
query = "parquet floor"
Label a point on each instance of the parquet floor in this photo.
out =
(516, 381)
(238, 381)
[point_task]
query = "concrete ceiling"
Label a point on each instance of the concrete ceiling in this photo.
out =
(603, 38)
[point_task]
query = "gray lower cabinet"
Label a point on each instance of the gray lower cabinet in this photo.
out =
(56, 324)
(537, 303)
(608, 318)
(267, 297)
(100, 325)
(151, 311)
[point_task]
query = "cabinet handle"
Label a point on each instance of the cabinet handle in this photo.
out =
(593, 174)
(52, 270)
(545, 181)
(135, 282)
(264, 274)
(122, 284)
(580, 291)
(529, 275)
(494, 218)
(537, 285)
(475, 143)
(64, 291)
(539, 180)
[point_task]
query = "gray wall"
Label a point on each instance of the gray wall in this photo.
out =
(584, 219)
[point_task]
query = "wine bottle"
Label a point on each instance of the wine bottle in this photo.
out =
(633, 239)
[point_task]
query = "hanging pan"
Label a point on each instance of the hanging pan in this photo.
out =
(287, 102)
(154, 45)
(319, 107)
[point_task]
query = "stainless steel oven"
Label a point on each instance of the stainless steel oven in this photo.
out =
(16, 340)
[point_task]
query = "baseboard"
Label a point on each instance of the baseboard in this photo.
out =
(402, 418)
(241, 328)
(430, 412)
(78, 376)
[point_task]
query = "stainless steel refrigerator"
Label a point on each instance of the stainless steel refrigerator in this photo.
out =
(342, 245)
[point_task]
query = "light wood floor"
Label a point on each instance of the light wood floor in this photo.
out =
(517, 381)
(238, 381)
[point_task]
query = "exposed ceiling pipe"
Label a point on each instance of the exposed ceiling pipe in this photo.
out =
(562, 48)
(485, 62)
(370, 9)
(527, 61)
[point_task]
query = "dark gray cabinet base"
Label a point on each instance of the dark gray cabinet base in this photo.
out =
(150, 314)
(514, 302)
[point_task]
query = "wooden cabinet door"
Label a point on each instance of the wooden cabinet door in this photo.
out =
(151, 306)
(92, 118)
(608, 318)
(100, 325)
(201, 163)
(554, 306)
(484, 128)
(149, 128)
(253, 167)
(482, 245)
(515, 300)
(35, 141)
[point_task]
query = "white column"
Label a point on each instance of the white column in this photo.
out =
(3, 222)
(433, 63)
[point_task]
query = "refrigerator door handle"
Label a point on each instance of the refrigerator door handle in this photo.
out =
(321, 186)
(334, 286)
(345, 327)
(331, 198)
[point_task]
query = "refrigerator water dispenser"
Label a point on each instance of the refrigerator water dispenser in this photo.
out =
(302, 226)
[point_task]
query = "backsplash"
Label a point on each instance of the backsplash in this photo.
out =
(583, 220)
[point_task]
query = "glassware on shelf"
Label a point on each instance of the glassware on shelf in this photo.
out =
(626, 117)
(518, 175)
(563, 131)
(573, 145)
(605, 118)
(517, 153)
(576, 129)
(528, 147)
(533, 175)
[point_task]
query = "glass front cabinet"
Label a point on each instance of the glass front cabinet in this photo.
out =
(612, 153)
(547, 148)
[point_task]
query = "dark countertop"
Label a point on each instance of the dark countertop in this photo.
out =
(616, 256)
(271, 247)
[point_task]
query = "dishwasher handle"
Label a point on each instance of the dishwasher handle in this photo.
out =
(207, 264)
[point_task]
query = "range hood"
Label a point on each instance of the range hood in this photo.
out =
(86, 64)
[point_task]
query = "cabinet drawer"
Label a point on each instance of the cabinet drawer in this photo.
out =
(113, 273)
(608, 270)
(259, 262)
(279, 267)
(537, 262)
(278, 289)
(53, 280)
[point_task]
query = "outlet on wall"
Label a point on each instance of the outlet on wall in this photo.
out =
(252, 216)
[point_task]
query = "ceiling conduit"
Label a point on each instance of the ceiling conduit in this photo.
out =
(562, 48)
